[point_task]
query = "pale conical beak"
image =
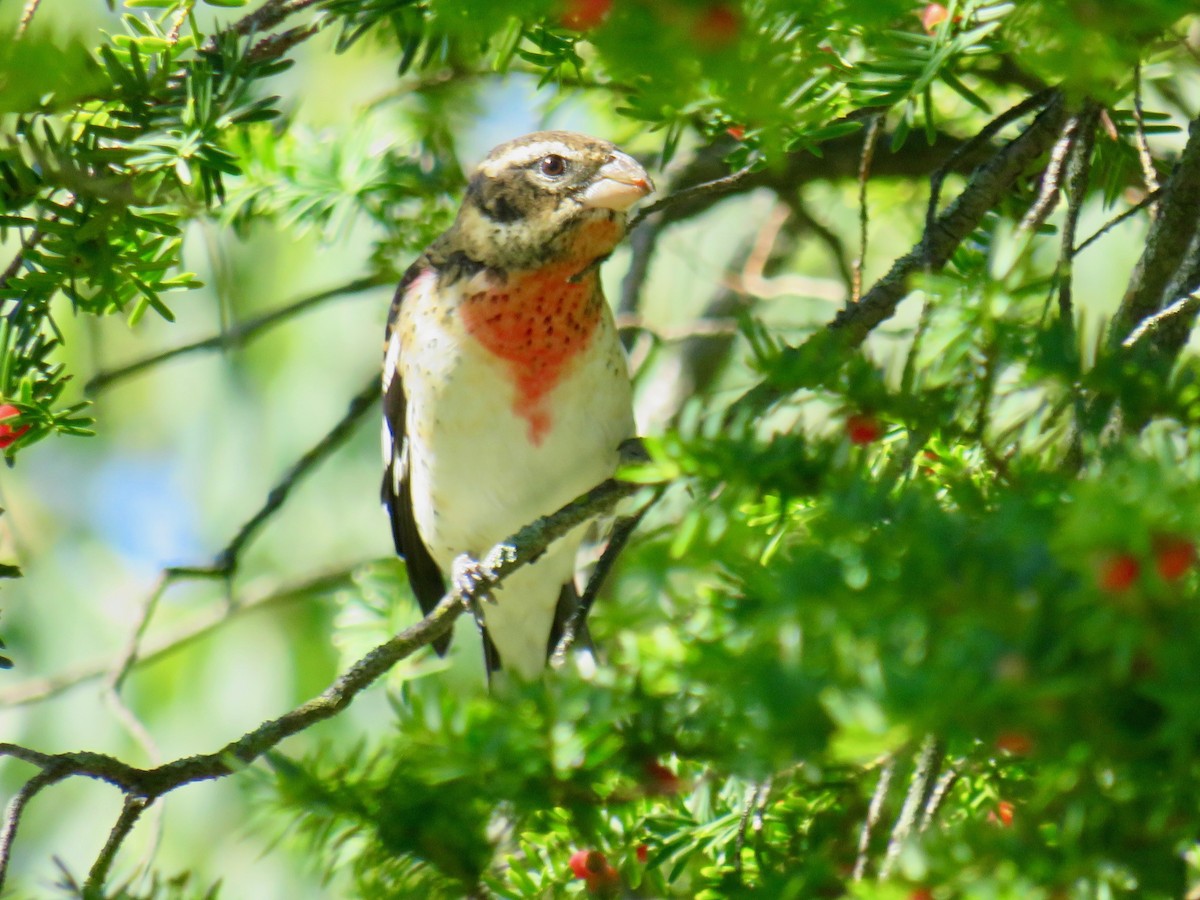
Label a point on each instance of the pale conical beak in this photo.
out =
(620, 183)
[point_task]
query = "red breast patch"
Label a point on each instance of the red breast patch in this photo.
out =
(536, 323)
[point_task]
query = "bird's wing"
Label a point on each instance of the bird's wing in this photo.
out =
(424, 576)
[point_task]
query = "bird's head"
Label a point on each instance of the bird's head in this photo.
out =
(549, 197)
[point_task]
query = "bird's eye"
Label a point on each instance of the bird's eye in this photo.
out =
(553, 165)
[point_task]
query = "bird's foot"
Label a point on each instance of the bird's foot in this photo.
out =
(473, 580)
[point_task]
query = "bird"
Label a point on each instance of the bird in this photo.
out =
(506, 391)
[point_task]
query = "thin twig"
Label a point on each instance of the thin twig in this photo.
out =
(27, 15)
(756, 799)
(362, 402)
(874, 812)
(991, 182)
(266, 16)
(177, 23)
(1047, 198)
(238, 336)
(130, 813)
(1117, 220)
(830, 238)
(709, 189)
(1079, 162)
(1167, 244)
(864, 172)
(986, 188)
(916, 801)
(704, 327)
(642, 244)
(130, 656)
(35, 237)
(225, 564)
(16, 808)
(622, 530)
(276, 45)
(941, 791)
(752, 279)
(1145, 157)
(1150, 327)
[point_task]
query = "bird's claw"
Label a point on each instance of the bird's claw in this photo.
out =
(473, 580)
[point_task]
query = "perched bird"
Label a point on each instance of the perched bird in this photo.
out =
(506, 390)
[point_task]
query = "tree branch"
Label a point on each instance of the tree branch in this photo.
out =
(874, 812)
(363, 401)
(27, 14)
(978, 143)
(1166, 245)
(16, 808)
(152, 783)
(986, 188)
(1082, 129)
(238, 336)
(269, 15)
(990, 183)
(864, 174)
(839, 160)
(916, 801)
(130, 813)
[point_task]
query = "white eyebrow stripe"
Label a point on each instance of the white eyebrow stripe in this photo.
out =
(524, 155)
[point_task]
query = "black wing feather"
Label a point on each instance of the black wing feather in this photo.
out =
(424, 575)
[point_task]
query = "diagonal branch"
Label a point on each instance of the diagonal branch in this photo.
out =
(363, 401)
(237, 336)
(147, 785)
(985, 190)
(988, 186)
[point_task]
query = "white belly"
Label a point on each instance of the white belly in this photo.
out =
(477, 475)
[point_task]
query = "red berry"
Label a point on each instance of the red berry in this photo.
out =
(932, 16)
(593, 867)
(718, 26)
(580, 15)
(579, 863)
(1018, 743)
(643, 853)
(863, 428)
(1003, 814)
(660, 779)
(8, 434)
(1173, 556)
(737, 132)
(1117, 573)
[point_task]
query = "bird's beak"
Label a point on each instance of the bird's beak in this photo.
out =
(619, 184)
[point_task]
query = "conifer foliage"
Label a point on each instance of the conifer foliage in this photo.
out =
(914, 607)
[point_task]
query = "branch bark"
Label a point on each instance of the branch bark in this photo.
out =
(1171, 233)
